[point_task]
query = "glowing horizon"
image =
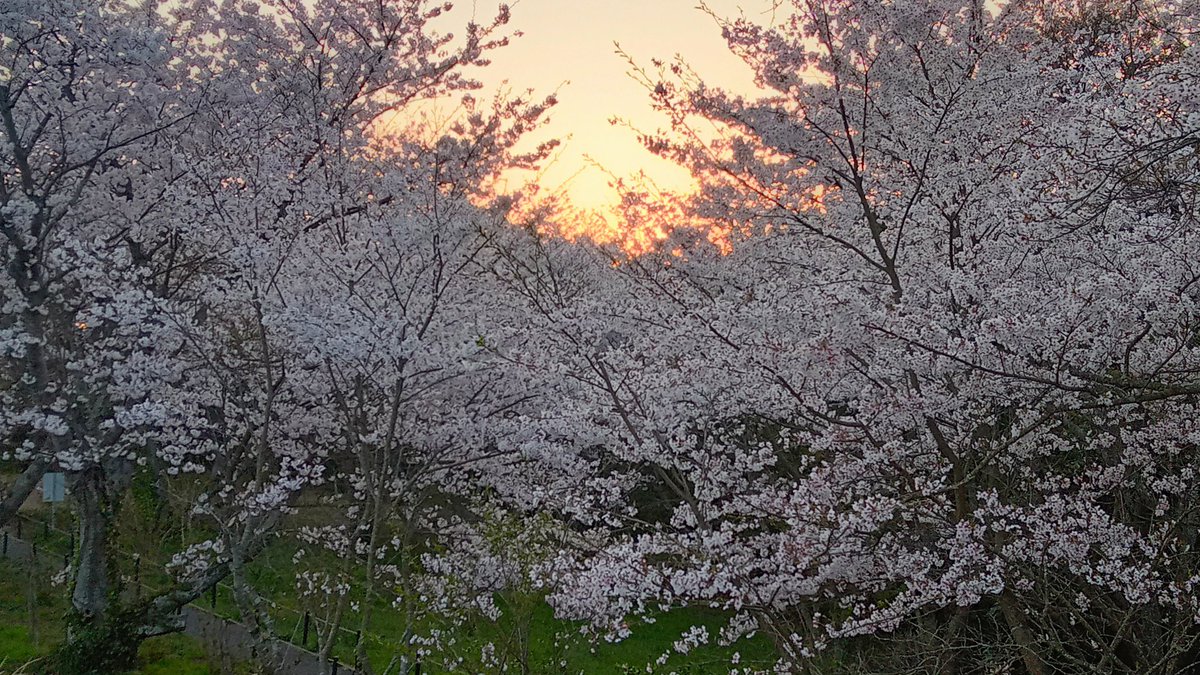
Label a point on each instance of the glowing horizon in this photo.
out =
(567, 47)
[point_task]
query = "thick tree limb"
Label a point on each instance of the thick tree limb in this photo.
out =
(21, 488)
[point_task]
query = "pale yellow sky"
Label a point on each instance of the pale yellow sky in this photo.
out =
(568, 47)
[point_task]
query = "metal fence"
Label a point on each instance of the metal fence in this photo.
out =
(44, 544)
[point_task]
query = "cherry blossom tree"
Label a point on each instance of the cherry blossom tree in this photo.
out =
(934, 409)
(392, 308)
(925, 399)
(81, 89)
(172, 178)
(86, 97)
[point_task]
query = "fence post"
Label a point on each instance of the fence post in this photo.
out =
(304, 638)
(137, 576)
(18, 519)
(357, 650)
(417, 670)
(46, 529)
(6, 543)
(333, 667)
(213, 599)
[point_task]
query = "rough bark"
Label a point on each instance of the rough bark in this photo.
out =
(1026, 642)
(90, 594)
(21, 488)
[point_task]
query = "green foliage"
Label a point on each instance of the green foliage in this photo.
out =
(24, 649)
(145, 497)
(99, 647)
(527, 631)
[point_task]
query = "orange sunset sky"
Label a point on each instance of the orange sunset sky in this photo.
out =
(567, 47)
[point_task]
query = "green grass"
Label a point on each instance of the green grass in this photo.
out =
(175, 655)
(32, 625)
(16, 645)
(273, 575)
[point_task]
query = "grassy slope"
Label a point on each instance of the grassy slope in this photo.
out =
(274, 576)
(649, 640)
(20, 625)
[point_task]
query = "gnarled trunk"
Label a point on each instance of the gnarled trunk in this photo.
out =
(102, 635)
(90, 595)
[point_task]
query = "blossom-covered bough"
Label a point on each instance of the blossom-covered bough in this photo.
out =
(391, 308)
(187, 192)
(935, 410)
(88, 331)
(928, 403)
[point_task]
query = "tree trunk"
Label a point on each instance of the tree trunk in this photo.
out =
(950, 659)
(90, 595)
(254, 615)
(21, 488)
(1024, 638)
(102, 636)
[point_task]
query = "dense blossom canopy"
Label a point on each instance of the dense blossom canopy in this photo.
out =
(943, 386)
(924, 398)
